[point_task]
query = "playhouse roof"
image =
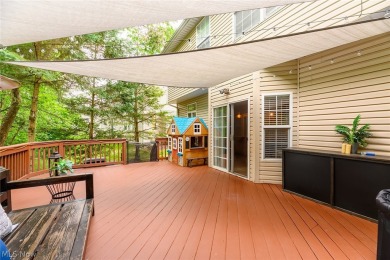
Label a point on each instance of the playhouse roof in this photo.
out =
(183, 123)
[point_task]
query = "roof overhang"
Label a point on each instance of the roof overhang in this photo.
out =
(24, 21)
(184, 29)
(7, 83)
(209, 67)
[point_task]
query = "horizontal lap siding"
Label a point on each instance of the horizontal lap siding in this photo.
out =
(201, 107)
(320, 14)
(175, 93)
(241, 89)
(319, 101)
(221, 27)
(335, 93)
(277, 79)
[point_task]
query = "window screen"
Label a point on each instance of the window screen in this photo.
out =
(276, 127)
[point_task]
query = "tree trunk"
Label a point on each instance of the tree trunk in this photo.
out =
(92, 113)
(32, 119)
(33, 111)
(9, 118)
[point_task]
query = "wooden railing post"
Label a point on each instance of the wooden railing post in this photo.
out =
(61, 149)
(124, 152)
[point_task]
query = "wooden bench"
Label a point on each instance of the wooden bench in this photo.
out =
(189, 160)
(55, 231)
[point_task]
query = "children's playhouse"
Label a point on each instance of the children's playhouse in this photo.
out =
(188, 141)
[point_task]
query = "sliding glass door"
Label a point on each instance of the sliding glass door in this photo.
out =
(230, 138)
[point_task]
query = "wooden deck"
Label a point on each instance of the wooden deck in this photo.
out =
(162, 211)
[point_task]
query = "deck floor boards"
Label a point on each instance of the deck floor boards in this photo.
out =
(162, 211)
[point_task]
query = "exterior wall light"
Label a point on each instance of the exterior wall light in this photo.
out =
(225, 91)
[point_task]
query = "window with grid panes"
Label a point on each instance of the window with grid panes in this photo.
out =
(197, 130)
(191, 110)
(246, 20)
(276, 125)
(174, 143)
(173, 128)
(180, 145)
(203, 34)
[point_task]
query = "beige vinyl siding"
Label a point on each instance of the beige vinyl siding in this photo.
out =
(175, 93)
(201, 107)
(221, 28)
(324, 96)
(189, 43)
(276, 80)
(317, 13)
(320, 14)
(335, 93)
(241, 89)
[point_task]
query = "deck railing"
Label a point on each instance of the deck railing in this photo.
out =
(162, 148)
(31, 159)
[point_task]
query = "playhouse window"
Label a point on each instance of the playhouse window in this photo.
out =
(173, 128)
(180, 145)
(170, 143)
(174, 143)
(196, 142)
(197, 128)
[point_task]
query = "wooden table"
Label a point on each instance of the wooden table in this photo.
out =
(56, 231)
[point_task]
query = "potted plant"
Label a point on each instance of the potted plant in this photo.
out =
(62, 167)
(355, 136)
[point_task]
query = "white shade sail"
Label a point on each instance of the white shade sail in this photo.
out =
(7, 83)
(209, 67)
(23, 21)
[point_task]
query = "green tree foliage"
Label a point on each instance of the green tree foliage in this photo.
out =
(62, 106)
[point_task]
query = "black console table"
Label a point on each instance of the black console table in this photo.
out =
(349, 182)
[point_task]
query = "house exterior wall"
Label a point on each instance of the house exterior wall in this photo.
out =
(327, 94)
(331, 94)
(201, 107)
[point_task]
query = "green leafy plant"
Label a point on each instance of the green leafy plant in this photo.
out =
(62, 167)
(355, 134)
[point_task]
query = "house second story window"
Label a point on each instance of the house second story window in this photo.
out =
(246, 20)
(197, 129)
(191, 110)
(173, 129)
(203, 34)
(276, 124)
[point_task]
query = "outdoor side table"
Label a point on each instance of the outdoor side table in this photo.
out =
(61, 192)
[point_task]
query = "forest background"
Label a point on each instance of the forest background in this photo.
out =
(56, 106)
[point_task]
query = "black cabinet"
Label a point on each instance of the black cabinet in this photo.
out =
(349, 182)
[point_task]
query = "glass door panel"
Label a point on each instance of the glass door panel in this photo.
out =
(220, 135)
(239, 138)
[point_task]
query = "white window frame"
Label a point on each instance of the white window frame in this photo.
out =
(170, 143)
(289, 126)
(173, 128)
(192, 113)
(263, 16)
(196, 128)
(180, 145)
(174, 143)
(201, 40)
